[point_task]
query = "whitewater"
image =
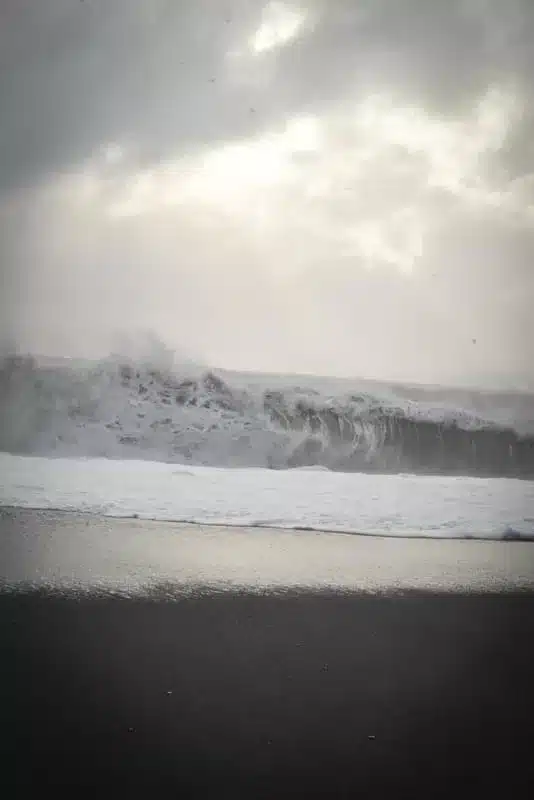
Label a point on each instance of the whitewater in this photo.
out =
(124, 409)
(126, 438)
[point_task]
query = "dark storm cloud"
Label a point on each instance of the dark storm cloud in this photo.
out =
(76, 75)
(441, 55)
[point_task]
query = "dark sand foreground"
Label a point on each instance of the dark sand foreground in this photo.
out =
(240, 694)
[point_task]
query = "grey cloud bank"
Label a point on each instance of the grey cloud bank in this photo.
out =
(330, 187)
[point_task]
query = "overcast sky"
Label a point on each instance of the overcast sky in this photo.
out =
(331, 186)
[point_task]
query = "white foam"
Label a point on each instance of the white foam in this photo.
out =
(386, 505)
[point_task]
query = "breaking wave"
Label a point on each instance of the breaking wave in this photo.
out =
(120, 408)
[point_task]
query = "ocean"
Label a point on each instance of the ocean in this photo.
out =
(118, 408)
(135, 439)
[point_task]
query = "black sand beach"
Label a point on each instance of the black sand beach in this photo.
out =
(262, 696)
(302, 693)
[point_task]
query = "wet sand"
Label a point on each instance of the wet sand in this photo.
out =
(261, 691)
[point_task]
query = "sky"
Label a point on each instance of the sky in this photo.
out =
(339, 187)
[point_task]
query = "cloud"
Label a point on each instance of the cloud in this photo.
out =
(159, 74)
(280, 23)
(331, 178)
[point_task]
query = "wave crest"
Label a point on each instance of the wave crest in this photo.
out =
(120, 408)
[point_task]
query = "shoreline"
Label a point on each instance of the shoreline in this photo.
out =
(317, 666)
(73, 551)
(508, 536)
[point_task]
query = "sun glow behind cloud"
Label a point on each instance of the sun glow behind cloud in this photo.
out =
(280, 23)
(363, 182)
